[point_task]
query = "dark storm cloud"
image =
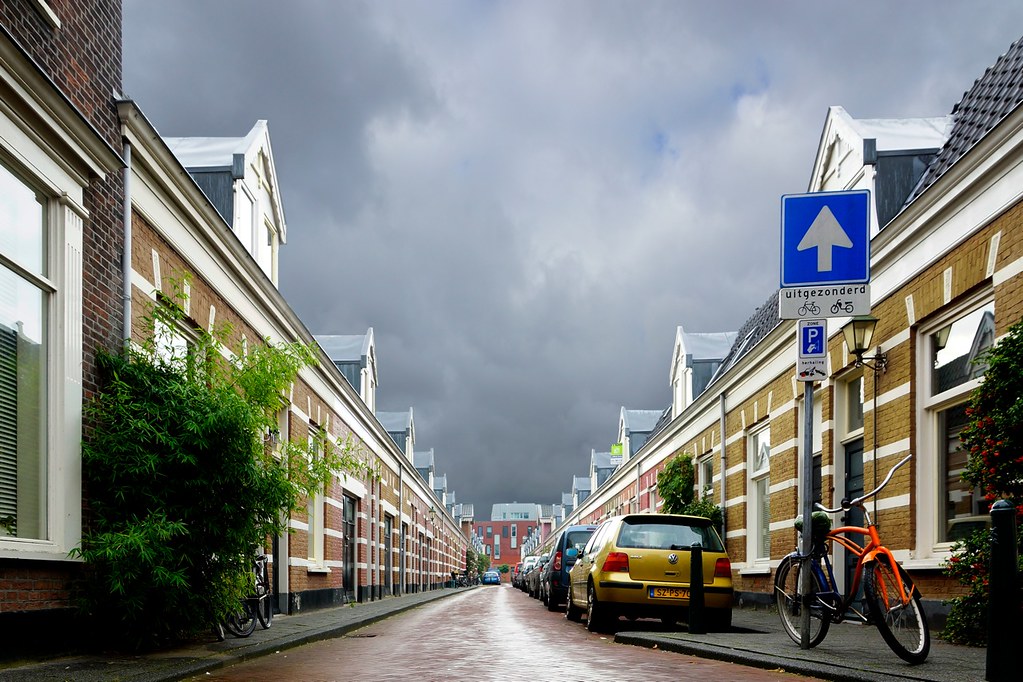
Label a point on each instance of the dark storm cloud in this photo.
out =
(524, 199)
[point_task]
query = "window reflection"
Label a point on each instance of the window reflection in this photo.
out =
(956, 349)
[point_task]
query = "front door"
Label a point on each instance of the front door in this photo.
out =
(853, 489)
(348, 559)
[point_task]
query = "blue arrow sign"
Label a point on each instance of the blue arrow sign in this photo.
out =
(825, 238)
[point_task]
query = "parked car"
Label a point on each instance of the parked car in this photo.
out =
(637, 565)
(516, 574)
(491, 578)
(527, 564)
(532, 578)
(554, 577)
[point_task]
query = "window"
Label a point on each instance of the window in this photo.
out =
(497, 550)
(758, 505)
(315, 515)
(504, 531)
(817, 450)
(706, 477)
(490, 531)
(953, 352)
(41, 330)
(26, 294)
(854, 404)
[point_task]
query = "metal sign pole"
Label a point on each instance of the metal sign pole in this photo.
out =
(805, 574)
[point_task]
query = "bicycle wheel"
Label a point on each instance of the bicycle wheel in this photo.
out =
(903, 626)
(790, 609)
(263, 603)
(240, 623)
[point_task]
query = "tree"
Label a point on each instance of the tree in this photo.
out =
(676, 486)
(993, 437)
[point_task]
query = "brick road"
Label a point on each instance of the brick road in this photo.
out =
(493, 633)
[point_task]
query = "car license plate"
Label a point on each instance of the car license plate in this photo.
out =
(669, 592)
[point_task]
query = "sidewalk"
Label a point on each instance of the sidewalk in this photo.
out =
(850, 652)
(195, 659)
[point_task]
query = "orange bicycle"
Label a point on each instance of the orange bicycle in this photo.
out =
(893, 601)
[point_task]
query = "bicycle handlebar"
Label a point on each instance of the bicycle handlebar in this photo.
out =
(849, 504)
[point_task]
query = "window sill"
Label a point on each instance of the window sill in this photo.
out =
(318, 570)
(755, 570)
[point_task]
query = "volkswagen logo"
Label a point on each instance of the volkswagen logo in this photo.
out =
(673, 558)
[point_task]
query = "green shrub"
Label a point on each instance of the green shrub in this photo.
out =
(181, 482)
(676, 485)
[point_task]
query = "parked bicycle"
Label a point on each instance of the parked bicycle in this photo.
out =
(257, 607)
(893, 601)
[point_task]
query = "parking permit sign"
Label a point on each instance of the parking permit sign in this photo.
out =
(813, 350)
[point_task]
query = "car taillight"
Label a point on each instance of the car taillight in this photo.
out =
(723, 569)
(616, 562)
(557, 561)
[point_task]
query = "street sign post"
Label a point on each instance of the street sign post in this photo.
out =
(825, 272)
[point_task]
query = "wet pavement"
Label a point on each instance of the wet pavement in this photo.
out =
(850, 652)
(492, 634)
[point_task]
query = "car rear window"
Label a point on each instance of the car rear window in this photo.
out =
(668, 534)
(578, 539)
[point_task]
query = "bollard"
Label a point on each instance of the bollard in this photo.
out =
(696, 624)
(1004, 629)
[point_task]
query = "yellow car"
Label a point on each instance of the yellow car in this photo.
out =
(638, 566)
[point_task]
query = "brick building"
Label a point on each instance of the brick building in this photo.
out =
(85, 178)
(511, 524)
(61, 238)
(946, 242)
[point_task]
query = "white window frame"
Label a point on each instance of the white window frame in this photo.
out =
(316, 512)
(65, 216)
(756, 524)
(705, 479)
(930, 549)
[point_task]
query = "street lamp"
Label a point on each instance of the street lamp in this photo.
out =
(859, 333)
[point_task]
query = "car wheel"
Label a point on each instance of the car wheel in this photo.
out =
(597, 617)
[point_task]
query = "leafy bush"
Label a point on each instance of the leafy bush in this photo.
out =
(181, 482)
(994, 439)
(676, 486)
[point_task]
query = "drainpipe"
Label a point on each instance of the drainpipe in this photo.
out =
(401, 530)
(126, 253)
(721, 401)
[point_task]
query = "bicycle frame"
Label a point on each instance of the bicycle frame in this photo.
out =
(866, 554)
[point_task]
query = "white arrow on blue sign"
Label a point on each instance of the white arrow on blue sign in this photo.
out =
(825, 238)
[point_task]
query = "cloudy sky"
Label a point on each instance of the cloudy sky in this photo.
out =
(525, 199)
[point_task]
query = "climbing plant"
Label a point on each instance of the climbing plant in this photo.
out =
(184, 477)
(676, 487)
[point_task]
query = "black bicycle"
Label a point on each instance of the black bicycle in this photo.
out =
(257, 607)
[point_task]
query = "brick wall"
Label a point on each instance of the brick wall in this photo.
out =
(83, 59)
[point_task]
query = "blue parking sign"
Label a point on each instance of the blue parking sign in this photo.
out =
(813, 339)
(825, 238)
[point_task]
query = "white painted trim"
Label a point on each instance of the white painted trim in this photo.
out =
(1008, 272)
